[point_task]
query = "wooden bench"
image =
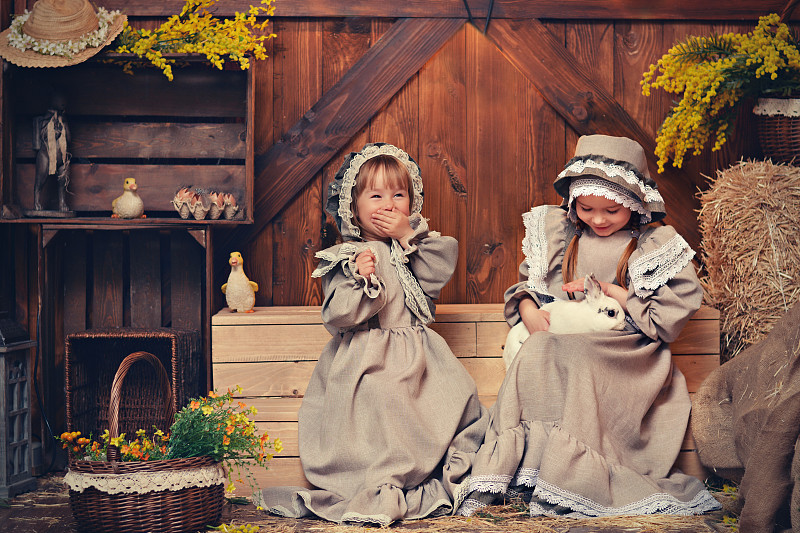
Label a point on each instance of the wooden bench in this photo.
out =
(271, 353)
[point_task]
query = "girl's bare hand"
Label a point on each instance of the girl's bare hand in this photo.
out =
(575, 285)
(537, 320)
(392, 223)
(609, 289)
(534, 318)
(365, 263)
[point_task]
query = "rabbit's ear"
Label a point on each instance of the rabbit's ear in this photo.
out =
(591, 287)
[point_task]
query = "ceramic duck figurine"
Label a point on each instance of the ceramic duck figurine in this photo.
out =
(240, 292)
(128, 205)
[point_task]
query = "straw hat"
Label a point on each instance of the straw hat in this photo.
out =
(40, 38)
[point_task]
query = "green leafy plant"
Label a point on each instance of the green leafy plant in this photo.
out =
(216, 426)
(195, 30)
(712, 76)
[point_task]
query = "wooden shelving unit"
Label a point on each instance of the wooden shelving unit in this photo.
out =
(93, 271)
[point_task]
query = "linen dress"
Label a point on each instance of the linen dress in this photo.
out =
(591, 424)
(391, 421)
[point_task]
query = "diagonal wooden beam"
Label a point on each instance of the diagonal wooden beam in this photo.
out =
(589, 108)
(384, 69)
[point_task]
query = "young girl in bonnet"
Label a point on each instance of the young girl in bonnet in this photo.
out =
(591, 424)
(390, 421)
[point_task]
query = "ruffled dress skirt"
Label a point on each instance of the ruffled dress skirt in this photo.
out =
(388, 430)
(589, 425)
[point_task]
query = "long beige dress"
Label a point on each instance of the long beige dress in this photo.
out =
(391, 421)
(591, 424)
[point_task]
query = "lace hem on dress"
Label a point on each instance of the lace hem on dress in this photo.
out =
(469, 507)
(655, 503)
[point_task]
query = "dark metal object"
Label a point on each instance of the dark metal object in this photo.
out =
(15, 411)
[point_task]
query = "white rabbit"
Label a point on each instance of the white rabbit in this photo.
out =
(596, 312)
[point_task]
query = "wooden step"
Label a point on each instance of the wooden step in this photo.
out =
(272, 352)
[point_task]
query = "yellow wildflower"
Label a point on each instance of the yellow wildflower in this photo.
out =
(196, 31)
(712, 76)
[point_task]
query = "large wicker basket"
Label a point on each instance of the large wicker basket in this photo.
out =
(778, 127)
(172, 496)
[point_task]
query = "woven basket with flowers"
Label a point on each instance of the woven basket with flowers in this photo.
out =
(168, 482)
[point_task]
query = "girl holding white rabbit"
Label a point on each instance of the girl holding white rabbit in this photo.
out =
(590, 424)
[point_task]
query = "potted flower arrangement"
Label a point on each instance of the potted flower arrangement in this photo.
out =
(169, 482)
(195, 30)
(714, 75)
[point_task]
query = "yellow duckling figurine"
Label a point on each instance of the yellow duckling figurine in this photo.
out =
(128, 205)
(240, 292)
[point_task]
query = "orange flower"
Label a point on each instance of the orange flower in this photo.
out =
(226, 440)
(212, 394)
(195, 405)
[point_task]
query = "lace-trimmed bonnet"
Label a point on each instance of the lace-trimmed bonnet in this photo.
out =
(614, 168)
(340, 191)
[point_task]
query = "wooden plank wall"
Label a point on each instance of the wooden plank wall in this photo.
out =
(191, 132)
(488, 143)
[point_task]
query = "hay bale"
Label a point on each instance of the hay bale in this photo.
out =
(750, 248)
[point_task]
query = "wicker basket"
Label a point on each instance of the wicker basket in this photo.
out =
(172, 496)
(778, 126)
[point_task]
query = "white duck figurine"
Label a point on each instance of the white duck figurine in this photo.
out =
(239, 291)
(128, 205)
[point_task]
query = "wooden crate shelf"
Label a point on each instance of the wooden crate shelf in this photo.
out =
(193, 131)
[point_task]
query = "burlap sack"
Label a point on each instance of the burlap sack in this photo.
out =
(746, 422)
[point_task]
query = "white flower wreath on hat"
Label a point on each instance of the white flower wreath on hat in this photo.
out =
(59, 33)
